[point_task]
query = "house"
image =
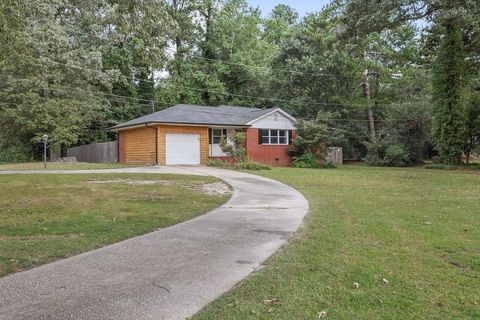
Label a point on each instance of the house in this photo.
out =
(191, 134)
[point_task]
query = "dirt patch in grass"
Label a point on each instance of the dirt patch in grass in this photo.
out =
(131, 182)
(216, 189)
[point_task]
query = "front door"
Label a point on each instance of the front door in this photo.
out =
(214, 136)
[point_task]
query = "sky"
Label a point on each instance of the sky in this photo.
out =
(302, 6)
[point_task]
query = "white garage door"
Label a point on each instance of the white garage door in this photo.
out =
(182, 148)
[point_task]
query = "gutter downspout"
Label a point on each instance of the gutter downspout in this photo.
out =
(156, 142)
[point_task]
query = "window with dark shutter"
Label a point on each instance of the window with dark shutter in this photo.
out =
(273, 136)
(290, 137)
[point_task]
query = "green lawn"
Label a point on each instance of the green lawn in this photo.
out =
(419, 229)
(60, 166)
(48, 217)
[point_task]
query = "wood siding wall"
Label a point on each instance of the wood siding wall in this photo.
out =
(138, 145)
(202, 131)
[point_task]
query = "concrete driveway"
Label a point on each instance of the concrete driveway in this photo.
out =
(167, 274)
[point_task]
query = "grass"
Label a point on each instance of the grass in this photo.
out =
(47, 217)
(60, 166)
(417, 228)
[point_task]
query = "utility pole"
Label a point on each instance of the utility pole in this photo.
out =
(366, 94)
(152, 103)
(45, 140)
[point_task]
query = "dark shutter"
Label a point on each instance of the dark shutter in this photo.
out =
(225, 133)
(290, 135)
(260, 134)
(210, 133)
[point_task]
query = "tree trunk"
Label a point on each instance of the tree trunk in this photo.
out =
(369, 110)
(207, 51)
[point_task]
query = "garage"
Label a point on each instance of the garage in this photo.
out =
(182, 148)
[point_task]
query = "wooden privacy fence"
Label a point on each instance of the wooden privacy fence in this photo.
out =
(95, 152)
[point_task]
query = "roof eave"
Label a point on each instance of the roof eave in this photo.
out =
(146, 123)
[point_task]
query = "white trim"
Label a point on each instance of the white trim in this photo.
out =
(286, 114)
(287, 134)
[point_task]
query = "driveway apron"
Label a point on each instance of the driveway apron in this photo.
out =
(171, 273)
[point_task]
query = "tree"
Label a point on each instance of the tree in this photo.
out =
(472, 136)
(280, 23)
(448, 94)
(43, 90)
(315, 136)
(409, 123)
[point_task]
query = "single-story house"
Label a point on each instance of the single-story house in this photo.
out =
(190, 134)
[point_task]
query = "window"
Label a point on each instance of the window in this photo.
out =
(270, 136)
(215, 135)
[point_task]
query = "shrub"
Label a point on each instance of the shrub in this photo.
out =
(440, 166)
(218, 163)
(396, 156)
(248, 164)
(309, 160)
(474, 165)
(306, 160)
(314, 136)
(376, 152)
(14, 153)
(415, 131)
(382, 153)
(236, 148)
(251, 165)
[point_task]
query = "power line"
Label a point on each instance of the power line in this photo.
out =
(228, 93)
(94, 92)
(170, 104)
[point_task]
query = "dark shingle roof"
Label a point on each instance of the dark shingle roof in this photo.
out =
(193, 114)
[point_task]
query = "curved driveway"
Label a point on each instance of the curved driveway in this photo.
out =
(167, 274)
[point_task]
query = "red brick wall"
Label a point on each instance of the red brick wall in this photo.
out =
(275, 155)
